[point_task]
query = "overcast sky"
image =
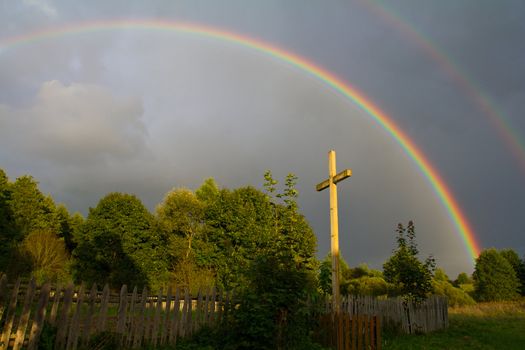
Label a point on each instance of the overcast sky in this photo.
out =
(143, 111)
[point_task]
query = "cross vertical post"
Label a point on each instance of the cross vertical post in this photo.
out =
(331, 183)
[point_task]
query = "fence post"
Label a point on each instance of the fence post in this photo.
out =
(40, 315)
(175, 320)
(103, 312)
(10, 316)
(165, 324)
(130, 327)
(54, 307)
(3, 294)
(74, 328)
(156, 320)
(122, 306)
(24, 318)
(89, 316)
(139, 325)
(63, 323)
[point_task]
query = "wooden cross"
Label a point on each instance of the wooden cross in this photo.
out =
(331, 182)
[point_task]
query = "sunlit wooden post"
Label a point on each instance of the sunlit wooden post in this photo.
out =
(331, 183)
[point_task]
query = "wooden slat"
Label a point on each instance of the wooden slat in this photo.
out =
(156, 320)
(378, 333)
(56, 302)
(206, 308)
(220, 306)
(4, 294)
(198, 311)
(88, 320)
(139, 325)
(40, 315)
(74, 328)
(147, 320)
(186, 315)
(213, 306)
(346, 328)
(175, 320)
(63, 319)
(24, 318)
(122, 308)
(354, 332)
(100, 325)
(10, 316)
(130, 327)
(165, 324)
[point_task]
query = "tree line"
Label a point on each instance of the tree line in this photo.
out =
(211, 236)
(253, 241)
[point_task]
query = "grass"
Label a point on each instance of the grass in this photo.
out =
(481, 326)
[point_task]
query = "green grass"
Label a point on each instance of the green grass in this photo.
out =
(482, 326)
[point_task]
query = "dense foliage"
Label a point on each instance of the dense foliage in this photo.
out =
(411, 277)
(494, 277)
(254, 242)
(119, 244)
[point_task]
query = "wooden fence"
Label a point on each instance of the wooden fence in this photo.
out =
(342, 331)
(76, 314)
(408, 317)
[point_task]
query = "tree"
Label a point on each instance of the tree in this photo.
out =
(281, 273)
(47, 256)
(208, 191)
(240, 224)
(494, 277)
(120, 244)
(8, 235)
(181, 219)
(462, 278)
(31, 209)
(412, 278)
(517, 264)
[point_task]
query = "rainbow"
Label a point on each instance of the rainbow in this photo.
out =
(439, 187)
(482, 101)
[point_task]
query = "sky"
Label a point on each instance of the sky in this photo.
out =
(143, 111)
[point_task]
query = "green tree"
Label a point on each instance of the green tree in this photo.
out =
(47, 256)
(8, 235)
(181, 219)
(462, 278)
(272, 312)
(403, 269)
(517, 264)
(208, 191)
(31, 209)
(182, 214)
(120, 244)
(494, 277)
(240, 224)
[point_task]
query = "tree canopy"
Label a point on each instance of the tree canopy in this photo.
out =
(120, 244)
(494, 277)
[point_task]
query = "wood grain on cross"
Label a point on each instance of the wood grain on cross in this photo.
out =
(331, 183)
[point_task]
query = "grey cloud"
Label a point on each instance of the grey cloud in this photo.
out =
(74, 124)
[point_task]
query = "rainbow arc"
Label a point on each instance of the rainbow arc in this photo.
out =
(348, 91)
